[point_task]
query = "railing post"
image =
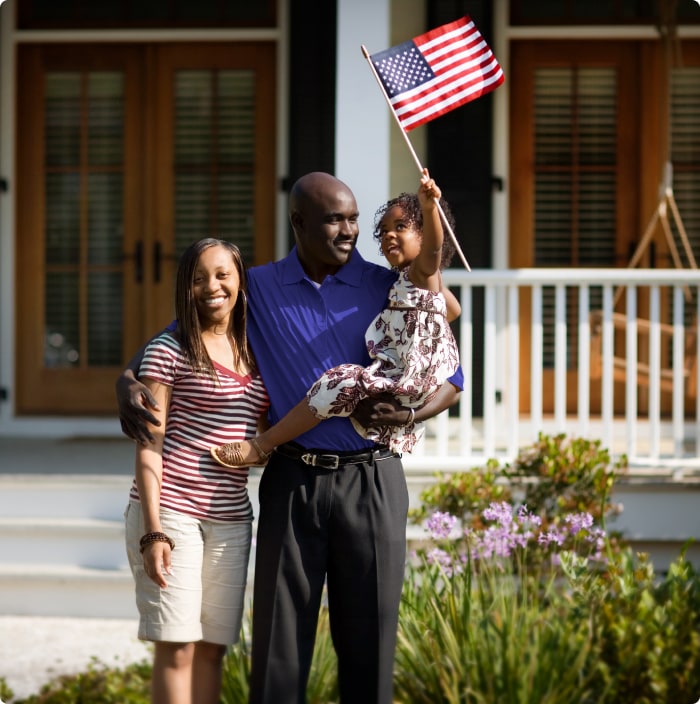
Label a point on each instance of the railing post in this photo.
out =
(536, 360)
(678, 368)
(631, 364)
(513, 391)
(489, 371)
(654, 373)
(560, 366)
(584, 359)
(607, 377)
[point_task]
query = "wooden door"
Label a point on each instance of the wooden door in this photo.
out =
(574, 170)
(126, 154)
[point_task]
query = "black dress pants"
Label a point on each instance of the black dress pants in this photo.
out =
(346, 526)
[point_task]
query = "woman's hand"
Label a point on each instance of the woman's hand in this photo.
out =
(157, 562)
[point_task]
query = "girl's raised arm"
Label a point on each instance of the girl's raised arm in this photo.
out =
(424, 271)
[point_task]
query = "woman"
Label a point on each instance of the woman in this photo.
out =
(188, 522)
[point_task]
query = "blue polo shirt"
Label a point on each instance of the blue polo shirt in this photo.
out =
(298, 330)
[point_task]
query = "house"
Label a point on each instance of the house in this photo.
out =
(129, 129)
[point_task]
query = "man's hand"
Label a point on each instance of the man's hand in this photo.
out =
(385, 410)
(134, 401)
(381, 410)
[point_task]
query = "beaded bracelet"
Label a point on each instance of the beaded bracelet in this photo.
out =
(156, 538)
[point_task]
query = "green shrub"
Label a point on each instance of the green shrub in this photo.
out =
(560, 475)
(552, 476)
(649, 632)
(98, 685)
(236, 668)
(6, 693)
(463, 494)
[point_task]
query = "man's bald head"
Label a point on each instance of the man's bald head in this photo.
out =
(323, 213)
(310, 187)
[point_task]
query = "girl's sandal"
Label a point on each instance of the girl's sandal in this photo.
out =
(230, 455)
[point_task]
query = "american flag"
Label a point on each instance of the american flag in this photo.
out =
(437, 72)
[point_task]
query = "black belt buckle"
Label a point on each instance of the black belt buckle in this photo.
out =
(322, 461)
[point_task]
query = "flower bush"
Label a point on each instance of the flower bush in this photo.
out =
(480, 624)
(520, 610)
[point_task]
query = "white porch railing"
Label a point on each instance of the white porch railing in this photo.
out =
(643, 327)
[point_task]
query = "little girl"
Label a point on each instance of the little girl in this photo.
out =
(410, 342)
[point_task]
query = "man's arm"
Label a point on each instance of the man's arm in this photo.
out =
(387, 411)
(134, 400)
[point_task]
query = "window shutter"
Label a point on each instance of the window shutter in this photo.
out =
(215, 157)
(685, 152)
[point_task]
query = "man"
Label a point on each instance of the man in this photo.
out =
(332, 506)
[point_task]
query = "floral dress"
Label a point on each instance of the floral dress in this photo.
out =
(413, 353)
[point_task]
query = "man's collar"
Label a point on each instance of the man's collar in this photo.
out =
(350, 273)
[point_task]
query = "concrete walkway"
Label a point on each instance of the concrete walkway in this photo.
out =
(34, 651)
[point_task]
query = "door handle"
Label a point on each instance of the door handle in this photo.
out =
(156, 261)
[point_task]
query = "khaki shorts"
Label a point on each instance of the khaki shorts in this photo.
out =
(204, 599)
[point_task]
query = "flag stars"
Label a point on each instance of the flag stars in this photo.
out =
(403, 70)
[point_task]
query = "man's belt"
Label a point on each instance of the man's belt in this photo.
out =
(328, 460)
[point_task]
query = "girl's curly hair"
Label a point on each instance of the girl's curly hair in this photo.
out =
(409, 203)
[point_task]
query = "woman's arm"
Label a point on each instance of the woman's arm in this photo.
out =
(149, 477)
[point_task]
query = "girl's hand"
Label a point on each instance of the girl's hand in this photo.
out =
(428, 191)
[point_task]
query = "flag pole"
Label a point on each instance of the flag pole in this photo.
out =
(365, 53)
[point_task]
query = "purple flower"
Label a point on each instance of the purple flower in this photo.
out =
(499, 511)
(551, 536)
(440, 557)
(527, 518)
(578, 522)
(440, 525)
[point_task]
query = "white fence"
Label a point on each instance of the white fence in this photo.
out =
(628, 335)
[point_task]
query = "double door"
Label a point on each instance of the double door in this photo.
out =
(126, 154)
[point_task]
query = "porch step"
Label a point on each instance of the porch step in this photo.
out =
(86, 542)
(62, 547)
(98, 496)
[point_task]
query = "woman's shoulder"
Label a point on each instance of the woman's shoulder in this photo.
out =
(165, 343)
